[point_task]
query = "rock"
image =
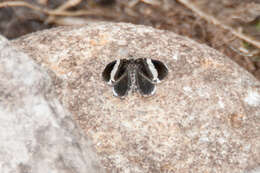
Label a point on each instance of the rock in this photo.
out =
(204, 117)
(37, 134)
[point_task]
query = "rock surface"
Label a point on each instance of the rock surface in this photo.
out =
(205, 117)
(37, 135)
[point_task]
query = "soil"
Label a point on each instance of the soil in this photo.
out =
(170, 15)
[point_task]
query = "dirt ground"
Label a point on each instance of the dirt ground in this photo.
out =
(230, 26)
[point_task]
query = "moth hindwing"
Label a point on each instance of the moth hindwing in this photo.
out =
(134, 74)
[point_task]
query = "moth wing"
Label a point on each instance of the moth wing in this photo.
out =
(121, 87)
(121, 69)
(161, 68)
(106, 74)
(144, 84)
(144, 68)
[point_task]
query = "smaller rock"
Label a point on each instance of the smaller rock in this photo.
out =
(37, 135)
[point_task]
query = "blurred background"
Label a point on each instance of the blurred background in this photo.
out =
(230, 26)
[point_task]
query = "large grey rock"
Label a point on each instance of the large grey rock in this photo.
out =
(36, 134)
(205, 117)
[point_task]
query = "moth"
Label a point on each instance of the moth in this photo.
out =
(140, 75)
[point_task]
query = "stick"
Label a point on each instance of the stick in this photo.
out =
(215, 21)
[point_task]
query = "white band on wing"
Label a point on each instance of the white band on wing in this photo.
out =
(152, 69)
(113, 72)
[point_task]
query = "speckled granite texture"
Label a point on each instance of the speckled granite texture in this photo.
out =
(204, 117)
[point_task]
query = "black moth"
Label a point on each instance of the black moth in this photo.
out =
(134, 74)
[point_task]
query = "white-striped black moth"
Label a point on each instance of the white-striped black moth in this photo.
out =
(134, 74)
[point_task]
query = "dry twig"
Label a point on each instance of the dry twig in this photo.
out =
(63, 7)
(53, 12)
(215, 21)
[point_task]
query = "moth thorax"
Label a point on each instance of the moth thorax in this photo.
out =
(132, 75)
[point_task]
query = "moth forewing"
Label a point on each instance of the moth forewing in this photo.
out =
(113, 72)
(144, 84)
(152, 70)
(121, 86)
(161, 68)
(106, 74)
